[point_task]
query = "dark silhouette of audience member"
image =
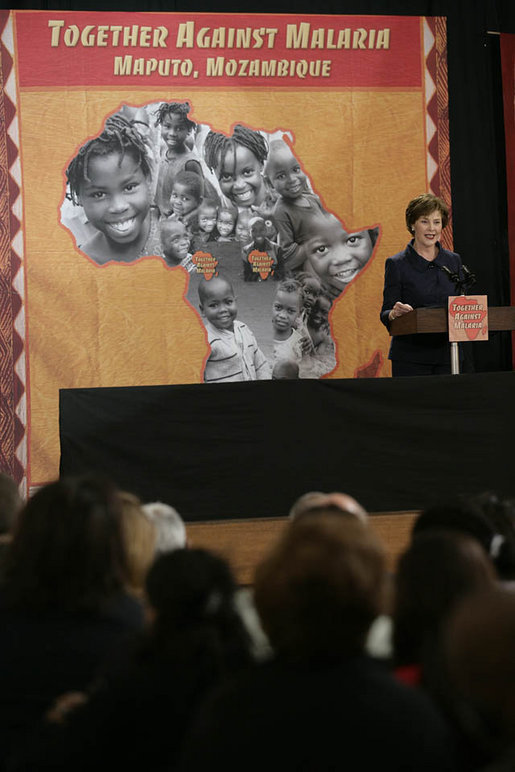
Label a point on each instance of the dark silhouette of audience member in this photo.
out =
(473, 516)
(379, 635)
(434, 574)
(63, 602)
(479, 643)
(320, 704)
(10, 504)
(500, 513)
(137, 718)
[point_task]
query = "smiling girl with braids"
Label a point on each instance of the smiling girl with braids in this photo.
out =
(238, 164)
(110, 178)
(176, 157)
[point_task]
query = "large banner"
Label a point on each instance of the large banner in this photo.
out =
(203, 198)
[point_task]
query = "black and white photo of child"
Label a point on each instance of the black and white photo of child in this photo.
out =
(261, 244)
(234, 351)
(226, 222)
(238, 163)
(186, 197)
(111, 179)
(177, 152)
(176, 244)
(205, 230)
(286, 308)
(335, 256)
(297, 206)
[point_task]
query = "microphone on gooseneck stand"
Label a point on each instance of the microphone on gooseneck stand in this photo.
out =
(470, 278)
(447, 271)
(453, 276)
(461, 285)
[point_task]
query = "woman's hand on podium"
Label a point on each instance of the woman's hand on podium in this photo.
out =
(399, 309)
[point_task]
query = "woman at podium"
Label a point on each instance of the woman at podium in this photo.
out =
(420, 277)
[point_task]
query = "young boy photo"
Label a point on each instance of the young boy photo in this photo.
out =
(235, 354)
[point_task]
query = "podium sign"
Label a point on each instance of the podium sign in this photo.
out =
(468, 318)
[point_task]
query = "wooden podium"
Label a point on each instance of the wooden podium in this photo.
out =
(436, 320)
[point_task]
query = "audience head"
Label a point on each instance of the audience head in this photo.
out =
(169, 525)
(10, 503)
(139, 535)
(67, 549)
(436, 572)
(500, 513)
(466, 516)
(191, 592)
(479, 642)
(321, 587)
(316, 501)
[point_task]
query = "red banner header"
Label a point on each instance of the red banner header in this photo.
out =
(223, 50)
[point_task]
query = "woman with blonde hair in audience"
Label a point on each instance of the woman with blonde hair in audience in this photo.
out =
(140, 535)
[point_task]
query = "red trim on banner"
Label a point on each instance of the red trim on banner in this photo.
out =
(218, 50)
(12, 430)
(438, 112)
(508, 79)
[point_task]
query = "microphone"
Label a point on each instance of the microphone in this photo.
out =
(470, 278)
(454, 277)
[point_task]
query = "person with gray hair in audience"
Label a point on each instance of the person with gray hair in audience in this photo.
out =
(170, 528)
(171, 535)
(317, 500)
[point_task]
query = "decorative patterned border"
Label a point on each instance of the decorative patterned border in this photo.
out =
(13, 405)
(437, 114)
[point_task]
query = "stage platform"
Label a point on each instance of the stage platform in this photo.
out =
(244, 543)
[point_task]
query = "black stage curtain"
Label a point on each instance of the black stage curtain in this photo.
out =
(250, 449)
